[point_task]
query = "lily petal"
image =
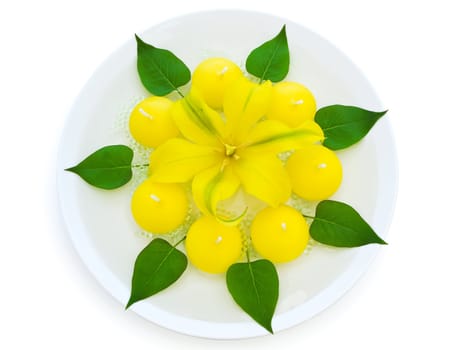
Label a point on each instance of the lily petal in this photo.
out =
(245, 103)
(212, 186)
(271, 136)
(197, 121)
(178, 160)
(264, 177)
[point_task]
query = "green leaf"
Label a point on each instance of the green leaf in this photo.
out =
(107, 168)
(345, 125)
(158, 266)
(160, 71)
(339, 225)
(270, 61)
(255, 288)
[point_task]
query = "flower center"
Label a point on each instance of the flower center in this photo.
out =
(230, 150)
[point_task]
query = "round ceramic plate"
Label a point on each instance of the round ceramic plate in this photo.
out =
(100, 222)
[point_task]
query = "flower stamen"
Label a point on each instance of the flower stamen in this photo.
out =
(230, 150)
(225, 162)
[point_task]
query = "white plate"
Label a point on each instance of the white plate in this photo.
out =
(100, 223)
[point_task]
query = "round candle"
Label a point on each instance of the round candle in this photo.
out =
(212, 246)
(315, 172)
(212, 77)
(291, 103)
(150, 121)
(279, 234)
(158, 207)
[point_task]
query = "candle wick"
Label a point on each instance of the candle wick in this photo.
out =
(155, 198)
(224, 70)
(219, 239)
(298, 102)
(145, 114)
(322, 165)
(283, 226)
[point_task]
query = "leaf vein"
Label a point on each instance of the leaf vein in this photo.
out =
(156, 270)
(276, 48)
(254, 284)
(161, 72)
(336, 224)
(346, 123)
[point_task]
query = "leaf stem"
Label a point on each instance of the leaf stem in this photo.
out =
(180, 241)
(308, 216)
(140, 165)
(248, 254)
(180, 93)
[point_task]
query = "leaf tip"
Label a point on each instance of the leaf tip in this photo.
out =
(381, 241)
(130, 302)
(268, 327)
(379, 115)
(140, 43)
(71, 169)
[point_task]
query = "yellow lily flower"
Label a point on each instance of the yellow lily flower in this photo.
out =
(220, 153)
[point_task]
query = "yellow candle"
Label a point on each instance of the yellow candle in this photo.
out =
(212, 77)
(159, 208)
(279, 234)
(212, 246)
(151, 123)
(315, 172)
(291, 103)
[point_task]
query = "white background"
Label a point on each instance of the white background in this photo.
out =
(414, 295)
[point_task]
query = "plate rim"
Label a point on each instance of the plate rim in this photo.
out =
(200, 328)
